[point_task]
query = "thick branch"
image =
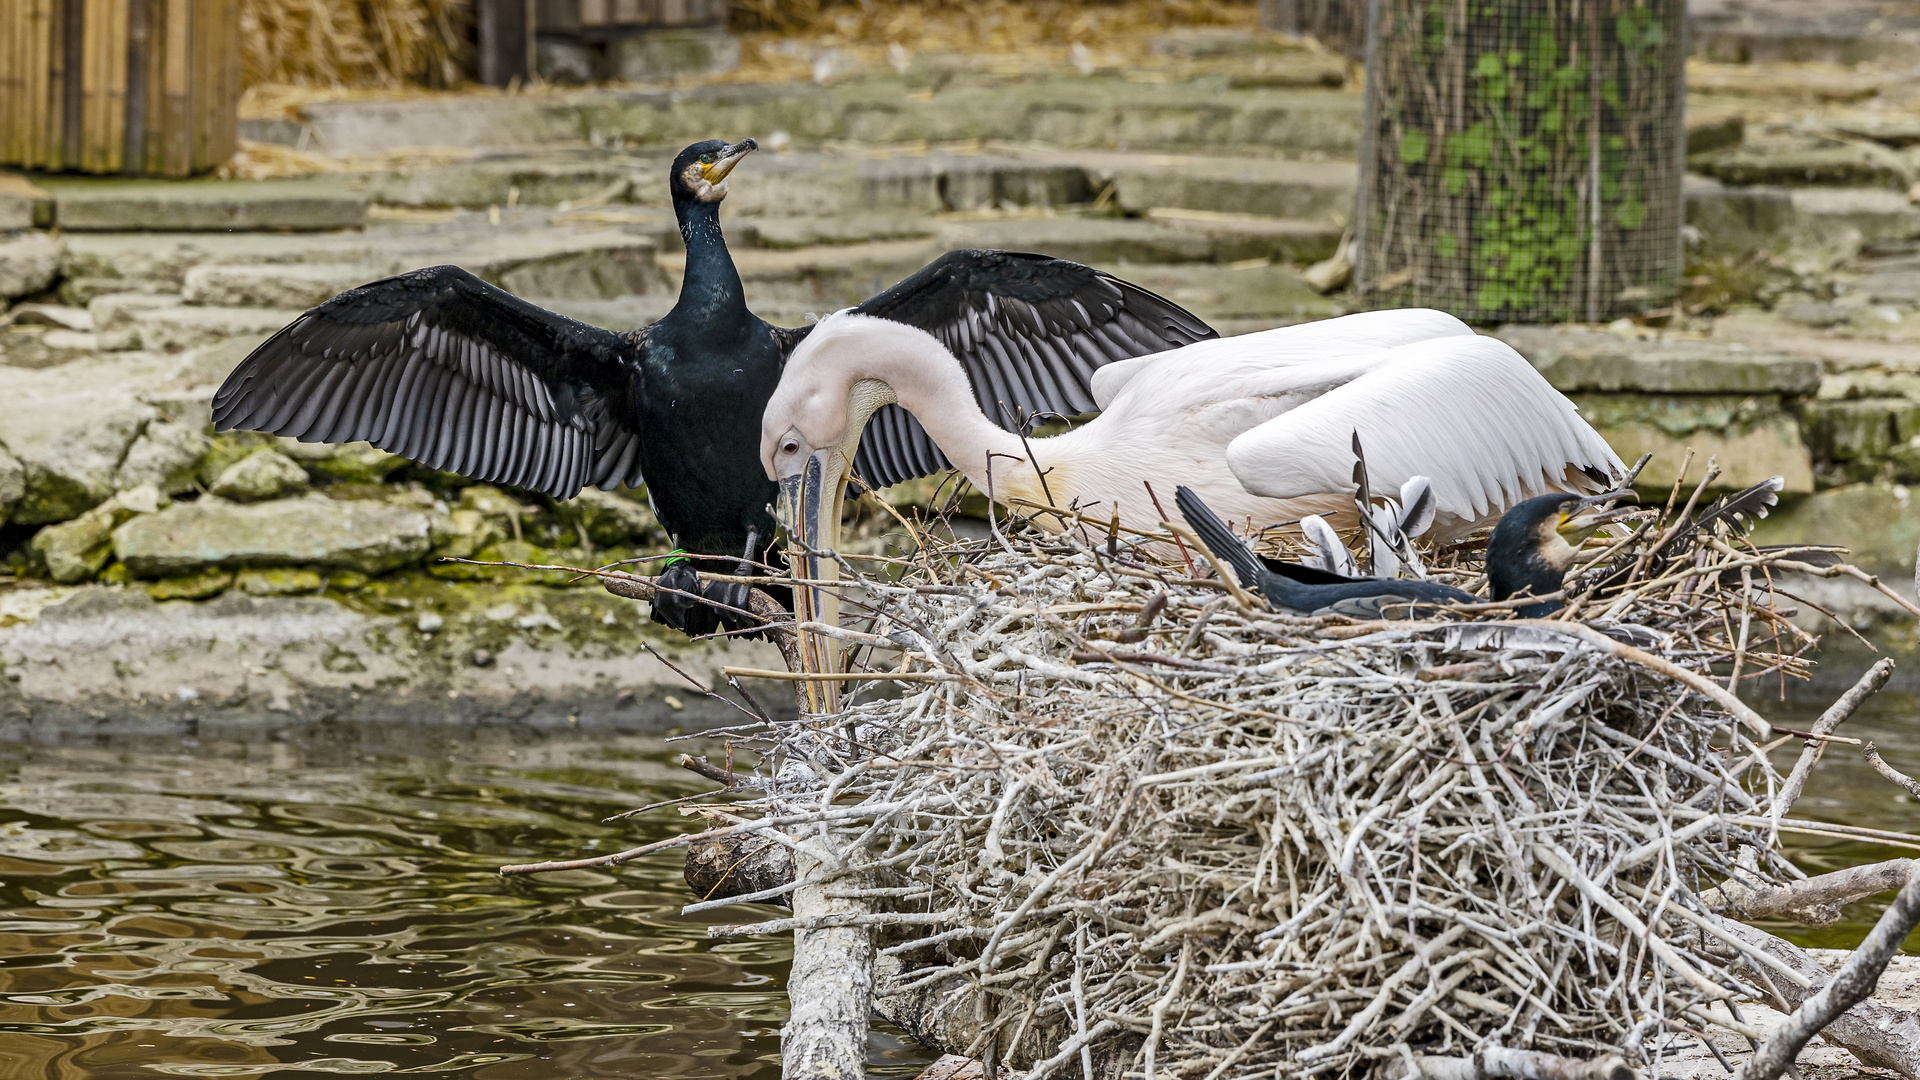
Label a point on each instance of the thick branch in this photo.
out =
(1879, 1035)
(829, 990)
(1880, 766)
(1870, 683)
(1815, 901)
(778, 620)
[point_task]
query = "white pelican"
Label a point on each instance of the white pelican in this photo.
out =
(1259, 426)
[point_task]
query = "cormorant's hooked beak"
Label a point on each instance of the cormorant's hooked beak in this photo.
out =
(1583, 519)
(731, 156)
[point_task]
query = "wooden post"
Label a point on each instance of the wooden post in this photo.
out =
(830, 990)
(506, 41)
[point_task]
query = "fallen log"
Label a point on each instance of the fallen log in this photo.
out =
(830, 989)
(1879, 1035)
(1816, 901)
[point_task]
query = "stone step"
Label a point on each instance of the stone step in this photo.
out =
(23, 205)
(1099, 112)
(1164, 236)
(527, 257)
(1736, 219)
(111, 205)
(539, 180)
(824, 278)
(827, 278)
(1834, 31)
(1268, 187)
(177, 329)
(296, 286)
(1667, 396)
(1855, 165)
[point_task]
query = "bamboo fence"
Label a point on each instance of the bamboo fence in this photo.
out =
(107, 86)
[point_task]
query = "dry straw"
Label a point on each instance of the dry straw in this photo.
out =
(1121, 822)
(384, 43)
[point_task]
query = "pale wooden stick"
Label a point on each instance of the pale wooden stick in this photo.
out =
(1880, 766)
(1875, 678)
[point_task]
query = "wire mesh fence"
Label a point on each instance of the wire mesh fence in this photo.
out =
(1523, 158)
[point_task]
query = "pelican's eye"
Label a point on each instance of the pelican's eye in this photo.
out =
(789, 447)
(706, 159)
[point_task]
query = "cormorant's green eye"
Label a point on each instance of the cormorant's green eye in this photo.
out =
(706, 159)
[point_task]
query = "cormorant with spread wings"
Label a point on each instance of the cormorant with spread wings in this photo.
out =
(456, 374)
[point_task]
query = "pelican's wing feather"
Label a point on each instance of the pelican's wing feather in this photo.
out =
(1469, 413)
(1301, 342)
(1029, 330)
(438, 366)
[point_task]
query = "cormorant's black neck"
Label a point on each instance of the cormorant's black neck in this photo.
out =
(711, 290)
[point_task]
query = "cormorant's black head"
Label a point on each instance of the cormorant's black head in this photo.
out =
(1535, 543)
(700, 172)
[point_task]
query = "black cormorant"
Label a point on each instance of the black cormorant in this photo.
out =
(1534, 544)
(1306, 591)
(445, 369)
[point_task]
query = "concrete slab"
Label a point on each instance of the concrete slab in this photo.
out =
(1576, 359)
(1300, 190)
(301, 285)
(205, 205)
(23, 205)
(1164, 236)
(1834, 31)
(1098, 112)
(1857, 165)
(1750, 437)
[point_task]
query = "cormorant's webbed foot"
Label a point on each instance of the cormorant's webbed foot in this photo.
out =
(732, 600)
(679, 601)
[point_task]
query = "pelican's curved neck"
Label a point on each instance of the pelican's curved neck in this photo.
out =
(927, 381)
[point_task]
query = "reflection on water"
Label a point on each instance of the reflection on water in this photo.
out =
(1844, 788)
(329, 906)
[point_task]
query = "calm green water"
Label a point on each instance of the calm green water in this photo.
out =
(328, 905)
(1844, 788)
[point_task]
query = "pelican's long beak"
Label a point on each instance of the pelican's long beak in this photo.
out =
(810, 511)
(728, 158)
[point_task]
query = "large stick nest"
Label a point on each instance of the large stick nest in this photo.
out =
(1124, 809)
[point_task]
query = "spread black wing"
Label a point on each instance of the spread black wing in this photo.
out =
(1030, 330)
(438, 366)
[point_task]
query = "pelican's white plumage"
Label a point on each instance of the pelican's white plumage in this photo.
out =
(1261, 426)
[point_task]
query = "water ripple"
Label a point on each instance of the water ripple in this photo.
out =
(274, 909)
